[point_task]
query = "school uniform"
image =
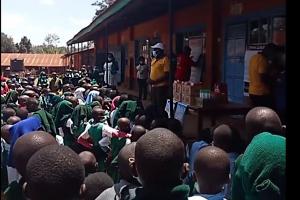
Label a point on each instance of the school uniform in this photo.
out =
(260, 171)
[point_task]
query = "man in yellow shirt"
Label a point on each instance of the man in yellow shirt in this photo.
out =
(159, 74)
(259, 78)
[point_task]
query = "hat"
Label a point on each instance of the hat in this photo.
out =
(158, 46)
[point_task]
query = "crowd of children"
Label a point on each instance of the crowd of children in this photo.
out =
(85, 141)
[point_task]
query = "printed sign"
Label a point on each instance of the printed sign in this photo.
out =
(180, 111)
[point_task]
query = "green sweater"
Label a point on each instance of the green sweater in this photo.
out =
(260, 171)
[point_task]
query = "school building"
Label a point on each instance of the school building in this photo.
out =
(18, 62)
(225, 32)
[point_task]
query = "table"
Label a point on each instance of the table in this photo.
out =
(216, 110)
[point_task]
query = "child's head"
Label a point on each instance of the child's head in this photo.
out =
(7, 113)
(159, 158)
(99, 99)
(136, 132)
(54, 172)
(142, 121)
(95, 184)
(5, 134)
(141, 60)
(159, 123)
(124, 124)
(32, 105)
(22, 100)
(175, 126)
(73, 100)
(27, 145)
(89, 161)
(13, 120)
(262, 119)
(125, 159)
(226, 138)
(30, 93)
(123, 97)
(22, 113)
(112, 93)
(212, 168)
(98, 114)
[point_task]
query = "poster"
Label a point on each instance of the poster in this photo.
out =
(180, 111)
(197, 46)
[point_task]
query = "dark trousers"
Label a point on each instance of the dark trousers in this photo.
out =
(143, 90)
(262, 100)
(159, 96)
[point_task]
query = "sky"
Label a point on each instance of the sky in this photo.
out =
(37, 18)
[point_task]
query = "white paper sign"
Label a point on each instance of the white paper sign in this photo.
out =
(180, 111)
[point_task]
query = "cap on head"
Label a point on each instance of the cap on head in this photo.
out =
(158, 46)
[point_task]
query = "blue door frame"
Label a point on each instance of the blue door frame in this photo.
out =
(233, 73)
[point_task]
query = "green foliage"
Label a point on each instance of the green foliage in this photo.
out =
(7, 44)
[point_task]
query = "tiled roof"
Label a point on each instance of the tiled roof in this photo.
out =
(34, 60)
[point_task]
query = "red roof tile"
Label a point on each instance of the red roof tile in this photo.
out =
(34, 60)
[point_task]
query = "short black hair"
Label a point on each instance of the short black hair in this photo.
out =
(27, 145)
(32, 104)
(54, 172)
(22, 113)
(89, 161)
(124, 155)
(262, 119)
(141, 58)
(212, 167)
(7, 113)
(123, 97)
(5, 134)
(159, 157)
(159, 123)
(175, 126)
(227, 137)
(96, 183)
(13, 120)
(136, 132)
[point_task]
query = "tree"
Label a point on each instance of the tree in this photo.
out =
(7, 44)
(52, 39)
(50, 46)
(102, 6)
(24, 46)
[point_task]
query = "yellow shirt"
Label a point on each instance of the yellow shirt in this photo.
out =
(158, 70)
(258, 66)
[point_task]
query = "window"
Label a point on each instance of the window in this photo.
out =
(259, 31)
(278, 35)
